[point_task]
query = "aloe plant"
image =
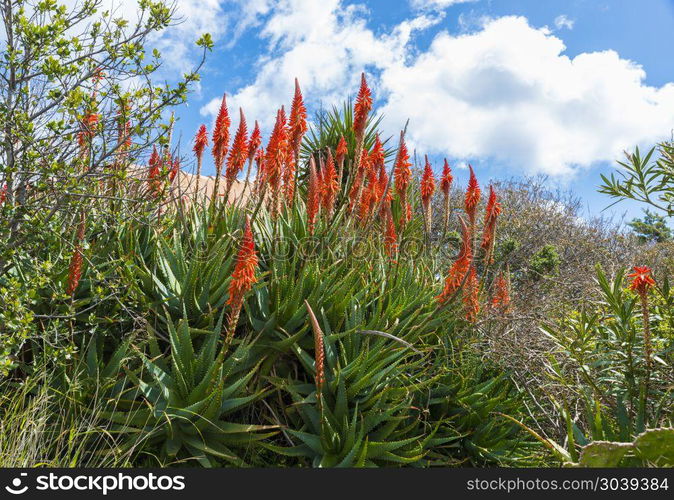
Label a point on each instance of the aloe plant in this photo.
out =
(188, 403)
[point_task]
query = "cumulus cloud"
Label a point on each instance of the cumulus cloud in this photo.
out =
(563, 21)
(504, 91)
(325, 45)
(508, 92)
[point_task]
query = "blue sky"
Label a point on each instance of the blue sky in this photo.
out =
(514, 87)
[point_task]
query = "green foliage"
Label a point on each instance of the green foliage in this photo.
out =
(179, 405)
(605, 366)
(545, 262)
(643, 180)
(652, 228)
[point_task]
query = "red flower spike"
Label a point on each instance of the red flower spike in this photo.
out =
(377, 154)
(473, 194)
(427, 184)
(221, 133)
(313, 197)
(390, 237)
(254, 142)
(362, 108)
(401, 172)
(75, 268)
(297, 125)
(446, 179)
(642, 280)
(501, 299)
(200, 142)
(276, 157)
(175, 168)
(329, 186)
(492, 212)
(341, 151)
(239, 152)
(243, 277)
(460, 267)
(471, 296)
(154, 173)
(3, 194)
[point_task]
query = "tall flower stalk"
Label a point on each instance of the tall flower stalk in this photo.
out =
(75, 268)
(200, 143)
(459, 269)
(472, 199)
(427, 191)
(313, 197)
(340, 157)
(402, 176)
(361, 110)
(243, 279)
(297, 127)
(275, 159)
(254, 144)
(220, 145)
(329, 186)
(238, 155)
(488, 234)
(642, 282)
(446, 188)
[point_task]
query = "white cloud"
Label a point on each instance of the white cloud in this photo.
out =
(325, 45)
(504, 92)
(436, 4)
(507, 92)
(563, 21)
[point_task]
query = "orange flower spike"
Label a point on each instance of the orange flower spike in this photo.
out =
(75, 268)
(254, 142)
(401, 171)
(340, 156)
(221, 133)
(446, 186)
(275, 158)
(460, 267)
(3, 194)
(492, 212)
(243, 279)
(330, 186)
(377, 155)
(361, 108)
(239, 152)
(200, 142)
(473, 194)
(298, 120)
(501, 299)
(427, 184)
(341, 150)
(154, 173)
(642, 280)
(390, 236)
(175, 168)
(446, 179)
(313, 197)
(471, 296)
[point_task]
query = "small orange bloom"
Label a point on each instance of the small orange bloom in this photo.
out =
(642, 280)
